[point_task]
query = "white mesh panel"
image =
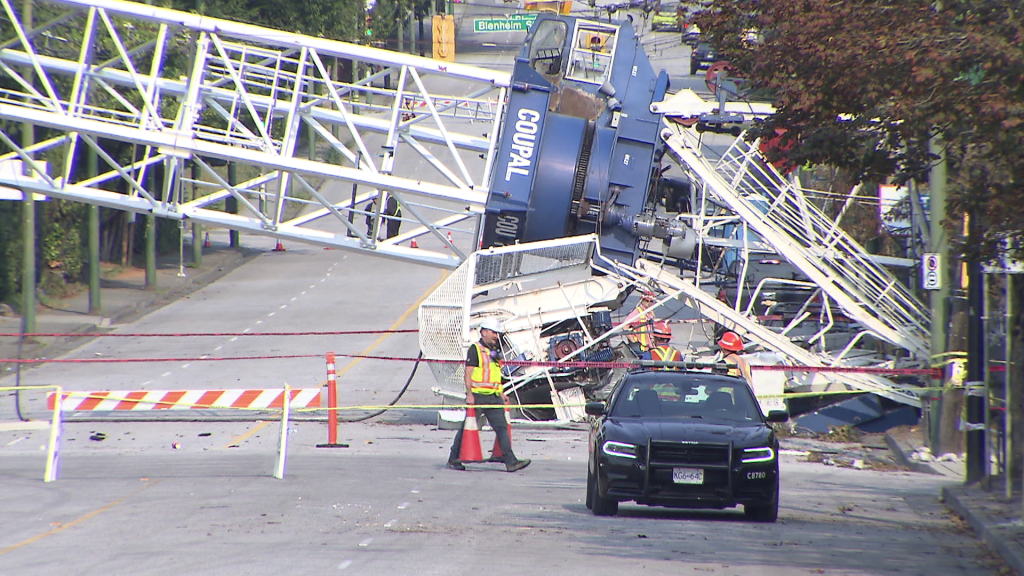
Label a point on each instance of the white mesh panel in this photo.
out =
(444, 314)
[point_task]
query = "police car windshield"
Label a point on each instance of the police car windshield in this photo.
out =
(719, 398)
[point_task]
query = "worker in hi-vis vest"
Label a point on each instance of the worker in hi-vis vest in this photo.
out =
(640, 337)
(732, 347)
(662, 351)
(485, 393)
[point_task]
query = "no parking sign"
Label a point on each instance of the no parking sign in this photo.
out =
(930, 278)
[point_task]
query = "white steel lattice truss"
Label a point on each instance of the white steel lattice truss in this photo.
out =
(119, 71)
(780, 213)
(504, 283)
(793, 227)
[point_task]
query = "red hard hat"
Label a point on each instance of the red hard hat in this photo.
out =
(731, 341)
(662, 329)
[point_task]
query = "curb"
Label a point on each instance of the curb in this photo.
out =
(996, 536)
(233, 259)
(901, 457)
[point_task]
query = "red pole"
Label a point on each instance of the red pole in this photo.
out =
(332, 401)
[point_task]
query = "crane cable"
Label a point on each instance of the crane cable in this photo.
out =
(401, 393)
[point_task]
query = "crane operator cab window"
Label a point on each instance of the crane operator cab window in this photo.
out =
(593, 46)
(547, 46)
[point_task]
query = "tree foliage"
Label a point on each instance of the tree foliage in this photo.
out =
(864, 84)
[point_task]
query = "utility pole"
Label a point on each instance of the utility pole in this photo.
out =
(28, 216)
(939, 299)
(977, 459)
(232, 204)
(95, 302)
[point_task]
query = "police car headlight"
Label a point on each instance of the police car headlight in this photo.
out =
(620, 449)
(755, 455)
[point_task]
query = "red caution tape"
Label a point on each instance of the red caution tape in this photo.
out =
(935, 373)
(195, 334)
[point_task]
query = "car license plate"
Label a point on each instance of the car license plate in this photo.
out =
(688, 475)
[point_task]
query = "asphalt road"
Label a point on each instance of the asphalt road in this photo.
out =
(387, 506)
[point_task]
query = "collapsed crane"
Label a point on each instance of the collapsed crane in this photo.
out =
(570, 145)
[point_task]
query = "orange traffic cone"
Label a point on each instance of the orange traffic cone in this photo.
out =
(496, 454)
(470, 449)
(279, 247)
(206, 243)
(413, 244)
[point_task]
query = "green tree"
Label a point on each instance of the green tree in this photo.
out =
(864, 85)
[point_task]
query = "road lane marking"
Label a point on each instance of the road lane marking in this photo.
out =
(237, 440)
(394, 326)
(403, 505)
(344, 564)
(16, 440)
(63, 527)
(365, 543)
(390, 523)
(166, 374)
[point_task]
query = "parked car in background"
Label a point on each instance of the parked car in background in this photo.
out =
(667, 16)
(702, 57)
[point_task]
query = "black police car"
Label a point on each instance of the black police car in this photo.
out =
(683, 439)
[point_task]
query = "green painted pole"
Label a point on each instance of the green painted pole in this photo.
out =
(938, 298)
(95, 301)
(28, 275)
(232, 204)
(150, 252)
(28, 217)
(197, 227)
(150, 242)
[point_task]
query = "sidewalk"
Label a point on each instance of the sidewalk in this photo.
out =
(996, 520)
(123, 297)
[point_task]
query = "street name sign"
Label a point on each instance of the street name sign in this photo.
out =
(512, 23)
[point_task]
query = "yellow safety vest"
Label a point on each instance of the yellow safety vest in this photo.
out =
(486, 375)
(666, 354)
(734, 369)
(641, 328)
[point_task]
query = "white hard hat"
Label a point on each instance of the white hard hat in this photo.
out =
(492, 324)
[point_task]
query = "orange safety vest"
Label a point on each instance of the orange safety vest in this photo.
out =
(486, 375)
